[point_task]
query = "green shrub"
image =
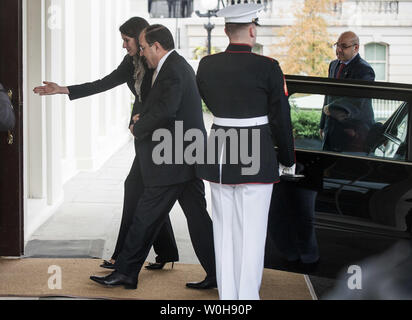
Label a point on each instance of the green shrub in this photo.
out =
(201, 51)
(305, 123)
(205, 108)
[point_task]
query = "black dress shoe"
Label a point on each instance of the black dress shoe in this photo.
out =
(309, 267)
(293, 265)
(157, 265)
(208, 283)
(116, 279)
(107, 265)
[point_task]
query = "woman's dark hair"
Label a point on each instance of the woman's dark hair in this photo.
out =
(133, 27)
(161, 34)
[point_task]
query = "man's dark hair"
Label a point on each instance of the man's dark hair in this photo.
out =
(133, 27)
(161, 34)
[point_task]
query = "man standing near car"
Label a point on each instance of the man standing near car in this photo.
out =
(247, 95)
(343, 125)
(345, 121)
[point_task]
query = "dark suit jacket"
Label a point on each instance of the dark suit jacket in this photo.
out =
(240, 84)
(173, 97)
(358, 69)
(7, 118)
(359, 111)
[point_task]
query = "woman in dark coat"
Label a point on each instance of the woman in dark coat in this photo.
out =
(132, 71)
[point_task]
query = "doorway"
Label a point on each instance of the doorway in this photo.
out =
(11, 144)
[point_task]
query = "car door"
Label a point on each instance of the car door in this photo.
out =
(362, 174)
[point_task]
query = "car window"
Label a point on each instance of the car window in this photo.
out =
(394, 140)
(362, 126)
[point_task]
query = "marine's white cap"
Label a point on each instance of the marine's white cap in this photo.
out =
(240, 13)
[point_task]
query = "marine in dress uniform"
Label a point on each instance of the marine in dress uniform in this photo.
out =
(247, 95)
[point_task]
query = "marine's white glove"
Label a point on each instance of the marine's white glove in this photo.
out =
(287, 170)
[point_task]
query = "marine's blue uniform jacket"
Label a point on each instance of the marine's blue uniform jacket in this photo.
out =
(240, 84)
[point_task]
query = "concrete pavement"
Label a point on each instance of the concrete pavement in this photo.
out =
(87, 223)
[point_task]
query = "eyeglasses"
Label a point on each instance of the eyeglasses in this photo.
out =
(343, 46)
(143, 48)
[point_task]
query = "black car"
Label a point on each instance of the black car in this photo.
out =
(364, 193)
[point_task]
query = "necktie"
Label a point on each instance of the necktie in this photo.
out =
(154, 77)
(342, 65)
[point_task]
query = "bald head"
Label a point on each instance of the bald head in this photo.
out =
(349, 36)
(347, 46)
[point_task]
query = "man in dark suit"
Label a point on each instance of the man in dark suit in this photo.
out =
(7, 118)
(173, 101)
(345, 121)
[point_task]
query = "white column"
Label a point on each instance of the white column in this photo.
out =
(85, 120)
(127, 9)
(36, 138)
(103, 106)
(53, 39)
(109, 63)
(96, 38)
(68, 110)
(42, 115)
(116, 46)
(139, 8)
(123, 108)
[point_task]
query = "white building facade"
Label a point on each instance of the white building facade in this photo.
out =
(384, 28)
(69, 42)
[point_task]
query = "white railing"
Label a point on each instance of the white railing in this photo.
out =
(267, 3)
(171, 9)
(232, 2)
(383, 109)
(391, 7)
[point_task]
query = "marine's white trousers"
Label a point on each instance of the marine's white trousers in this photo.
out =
(240, 216)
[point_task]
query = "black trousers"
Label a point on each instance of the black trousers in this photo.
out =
(164, 244)
(184, 8)
(290, 224)
(150, 215)
(172, 8)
